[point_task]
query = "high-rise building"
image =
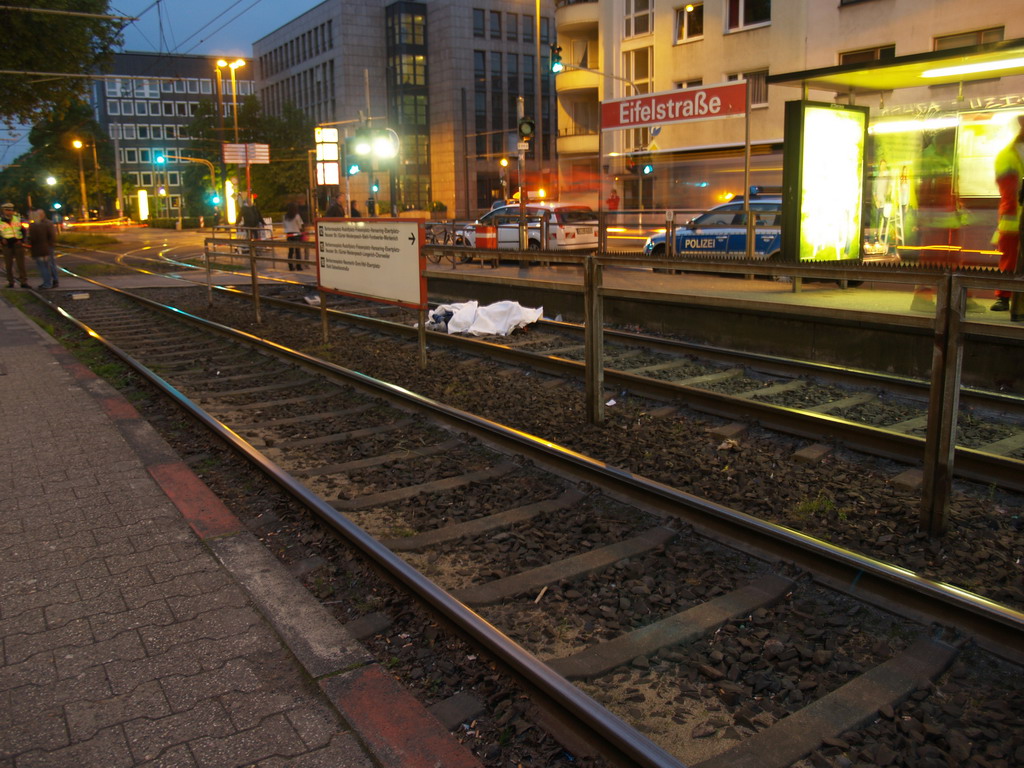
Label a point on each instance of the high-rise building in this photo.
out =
(145, 105)
(445, 75)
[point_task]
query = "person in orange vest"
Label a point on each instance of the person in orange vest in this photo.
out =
(1009, 171)
(11, 234)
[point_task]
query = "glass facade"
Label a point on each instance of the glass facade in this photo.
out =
(408, 113)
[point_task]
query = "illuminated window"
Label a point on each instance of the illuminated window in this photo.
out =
(748, 13)
(637, 66)
(965, 39)
(639, 15)
(690, 22)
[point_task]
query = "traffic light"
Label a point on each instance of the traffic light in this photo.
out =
(349, 157)
(631, 165)
(375, 187)
(215, 199)
(646, 166)
(527, 128)
(556, 59)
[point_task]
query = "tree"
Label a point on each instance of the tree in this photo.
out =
(289, 137)
(43, 42)
(52, 154)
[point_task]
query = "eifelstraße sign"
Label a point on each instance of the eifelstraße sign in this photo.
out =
(706, 102)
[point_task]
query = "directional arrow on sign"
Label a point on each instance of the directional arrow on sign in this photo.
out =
(412, 238)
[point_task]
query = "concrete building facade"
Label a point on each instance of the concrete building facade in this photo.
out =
(647, 46)
(145, 106)
(444, 74)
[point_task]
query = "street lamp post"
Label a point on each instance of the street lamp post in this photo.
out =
(236, 64)
(77, 144)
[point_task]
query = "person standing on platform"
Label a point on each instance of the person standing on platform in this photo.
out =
(355, 211)
(1009, 172)
(42, 239)
(293, 233)
(11, 235)
(336, 210)
(612, 203)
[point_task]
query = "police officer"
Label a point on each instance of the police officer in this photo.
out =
(11, 234)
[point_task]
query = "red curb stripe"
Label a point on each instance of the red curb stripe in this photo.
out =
(202, 510)
(118, 408)
(78, 371)
(395, 726)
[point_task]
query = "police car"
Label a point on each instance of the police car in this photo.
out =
(566, 227)
(722, 231)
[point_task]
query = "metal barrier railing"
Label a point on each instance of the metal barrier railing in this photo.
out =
(945, 286)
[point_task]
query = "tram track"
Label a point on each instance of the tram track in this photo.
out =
(877, 413)
(300, 417)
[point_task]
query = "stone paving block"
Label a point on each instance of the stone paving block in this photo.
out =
(74, 661)
(38, 669)
(216, 624)
(274, 736)
(248, 710)
(131, 585)
(28, 592)
(108, 749)
(144, 619)
(103, 603)
(18, 648)
(148, 738)
(125, 674)
(316, 726)
(187, 607)
(86, 718)
(185, 691)
(179, 756)
(344, 750)
(185, 585)
(24, 623)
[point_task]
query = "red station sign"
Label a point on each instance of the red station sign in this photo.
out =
(679, 106)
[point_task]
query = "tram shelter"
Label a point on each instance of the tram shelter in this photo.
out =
(935, 122)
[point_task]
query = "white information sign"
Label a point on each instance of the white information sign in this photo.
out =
(376, 258)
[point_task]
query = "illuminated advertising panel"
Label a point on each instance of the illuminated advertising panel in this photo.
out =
(823, 181)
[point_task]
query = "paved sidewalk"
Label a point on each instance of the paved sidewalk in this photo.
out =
(140, 624)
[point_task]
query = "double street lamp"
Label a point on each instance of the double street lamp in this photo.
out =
(77, 144)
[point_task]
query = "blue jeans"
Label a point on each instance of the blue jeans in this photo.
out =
(47, 269)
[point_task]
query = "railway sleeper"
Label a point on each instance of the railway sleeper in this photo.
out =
(684, 627)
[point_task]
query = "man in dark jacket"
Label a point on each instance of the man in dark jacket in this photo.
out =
(250, 217)
(42, 240)
(336, 210)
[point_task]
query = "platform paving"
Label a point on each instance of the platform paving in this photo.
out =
(141, 624)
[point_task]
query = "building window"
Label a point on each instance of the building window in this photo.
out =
(156, 131)
(689, 83)
(168, 108)
(527, 28)
(866, 55)
(114, 107)
(193, 85)
(690, 22)
(748, 13)
(638, 17)
(182, 132)
(142, 108)
(545, 30)
(145, 156)
(131, 156)
(114, 131)
(206, 86)
(154, 108)
(127, 107)
(128, 132)
(146, 178)
(173, 180)
(757, 82)
(495, 25)
(478, 23)
(512, 26)
(143, 131)
(179, 86)
(113, 87)
(964, 39)
(637, 66)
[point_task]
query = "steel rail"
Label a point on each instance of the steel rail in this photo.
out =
(969, 463)
(996, 626)
(615, 739)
